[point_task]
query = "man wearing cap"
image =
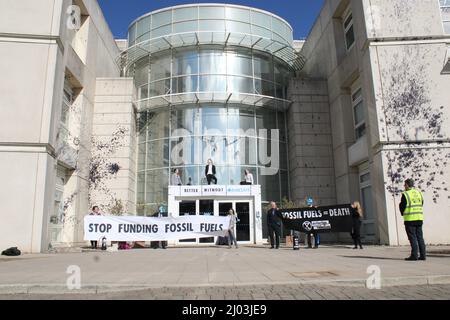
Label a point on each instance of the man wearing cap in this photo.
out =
(411, 208)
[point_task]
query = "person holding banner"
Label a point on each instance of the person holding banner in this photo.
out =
(312, 233)
(95, 212)
(274, 219)
(231, 233)
(357, 214)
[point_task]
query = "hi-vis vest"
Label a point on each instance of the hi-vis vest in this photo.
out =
(414, 205)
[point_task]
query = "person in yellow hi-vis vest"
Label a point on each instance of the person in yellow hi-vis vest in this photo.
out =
(411, 208)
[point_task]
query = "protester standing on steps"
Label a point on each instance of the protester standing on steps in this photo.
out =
(357, 214)
(411, 208)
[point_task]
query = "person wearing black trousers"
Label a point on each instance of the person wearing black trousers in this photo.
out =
(357, 214)
(210, 172)
(274, 219)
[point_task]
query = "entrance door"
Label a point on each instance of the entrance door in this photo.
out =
(244, 224)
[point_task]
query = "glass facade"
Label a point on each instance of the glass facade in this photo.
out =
(198, 74)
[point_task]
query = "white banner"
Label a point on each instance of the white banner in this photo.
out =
(134, 228)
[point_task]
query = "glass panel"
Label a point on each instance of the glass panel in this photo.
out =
(212, 12)
(187, 119)
(348, 21)
(186, 26)
(360, 131)
(270, 188)
(141, 75)
(262, 32)
(212, 62)
(240, 27)
(158, 125)
(187, 208)
(214, 147)
(359, 113)
(349, 37)
(211, 25)
(445, 13)
(183, 14)
(185, 151)
(185, 84)
(190, 175)
(447, 27)
(278, 26)
(160, 67)
(185, 63)
(162, 18)
(357, 95)
(241, 121)
(159, 88)
(264, 88)
(158, 154)
(162, 31)
(263, 67)
(143, 26)
(364, 178)
(156, 184)
(239, 63)
(366, 194)
(214, 118)
(240, 84)
(206, 209)
(213, 84)
(237, 14)
(261, 19)
(266, 119)
(141, 156)
(243, 222)
(241, 150)
(132, 34)
(143, 92)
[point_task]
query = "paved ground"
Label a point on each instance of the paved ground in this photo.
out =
(335, 272)
(259, 292)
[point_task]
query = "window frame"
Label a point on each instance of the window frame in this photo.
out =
(347, 28)
(355, 103)
(441, 7)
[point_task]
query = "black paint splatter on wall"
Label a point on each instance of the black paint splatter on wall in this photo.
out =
(412, 122)
(102, 169)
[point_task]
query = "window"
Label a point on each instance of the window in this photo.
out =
(65, 112)
(366, 194)
(348, 30)
(445, 11)
(358, 114)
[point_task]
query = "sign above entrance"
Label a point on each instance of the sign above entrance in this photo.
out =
(215, 190)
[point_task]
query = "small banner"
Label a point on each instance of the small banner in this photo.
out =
(318, 219)
(132, 228)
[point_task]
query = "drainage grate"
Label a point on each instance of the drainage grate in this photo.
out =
(313, 274)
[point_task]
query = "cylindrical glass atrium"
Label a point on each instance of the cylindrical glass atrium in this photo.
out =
(212, 83)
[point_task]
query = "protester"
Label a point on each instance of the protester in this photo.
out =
(210, 172)
(231, 232)
(274, 219)
(176, 180)
(313, 233)
(95, 212)
(357, 214)
(248, 180)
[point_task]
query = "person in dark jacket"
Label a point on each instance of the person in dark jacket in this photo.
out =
(274, 219)
(357, 214)
(313, 233)
(210, 172)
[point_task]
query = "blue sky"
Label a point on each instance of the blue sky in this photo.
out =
(301, 14)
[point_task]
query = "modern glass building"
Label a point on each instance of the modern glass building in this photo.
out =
(210, 77)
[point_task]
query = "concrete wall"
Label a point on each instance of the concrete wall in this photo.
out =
(114, 146)
(38, 52)
(398, 59)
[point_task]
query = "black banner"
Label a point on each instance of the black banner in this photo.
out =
(318, 219)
